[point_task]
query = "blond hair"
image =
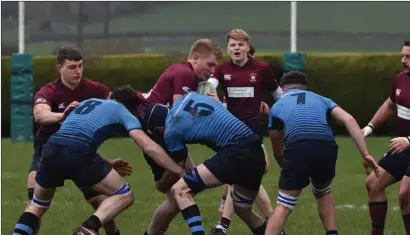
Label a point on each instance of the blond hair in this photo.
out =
(205, 46)
(239, 35)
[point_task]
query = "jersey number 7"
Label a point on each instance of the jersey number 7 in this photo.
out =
(301, 98)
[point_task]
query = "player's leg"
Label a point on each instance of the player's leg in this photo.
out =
(168, 210)
(119, 198)
(47, 179)
(264, 203)
(391, 170)
(194, 181)
(293, 178)
(404, 200)
(31, 180)
(95, 199)
(223, 197)
(323, 170)
(28, 223)
(243, 199)
(227, 214)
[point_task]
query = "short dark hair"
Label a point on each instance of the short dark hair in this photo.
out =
(294, 79)
(68, 52)
(125, 95)
(406, 43)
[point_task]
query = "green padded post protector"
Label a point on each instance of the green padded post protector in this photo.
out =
(21, 100)
(294, 61)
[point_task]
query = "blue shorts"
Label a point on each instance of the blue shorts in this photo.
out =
(308, 160)
(242, 164)
(88, 193)
(82, 165)
(397, 165)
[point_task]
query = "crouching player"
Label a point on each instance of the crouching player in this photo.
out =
(305, 148)
(71, 154)
(196, 118)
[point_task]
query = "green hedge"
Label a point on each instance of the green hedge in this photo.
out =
(357, 82)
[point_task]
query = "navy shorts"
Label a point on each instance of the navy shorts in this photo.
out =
(87, 192)
(397, 165)
(154, 123)
(306, 161)
(258, 129)
(242, 164)
(80, 164)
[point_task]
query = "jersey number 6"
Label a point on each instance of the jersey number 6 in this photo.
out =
(87, 107)
(205, 109)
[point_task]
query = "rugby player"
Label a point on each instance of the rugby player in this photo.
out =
(172, 84)
(395, 164)
(51, 105)
(244, 81)
(70, 153)
(304, 146)
(196, 118)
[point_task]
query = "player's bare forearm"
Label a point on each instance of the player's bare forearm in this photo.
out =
(44, 116)
(158, 155)
(357, 136)
(387, 109)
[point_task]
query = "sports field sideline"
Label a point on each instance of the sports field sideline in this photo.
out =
(69, 207)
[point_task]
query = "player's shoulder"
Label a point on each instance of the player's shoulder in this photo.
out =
(91, 83)
(50, 87)
(400, 76)
(261, 64)
(178, 68)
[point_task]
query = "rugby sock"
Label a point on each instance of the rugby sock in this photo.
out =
(259, 230)
(192, 217)
(223, 224)
(27, 224)
(406, 220)
(332, 232)
(93, 223)
(378, 211)
(146, 233)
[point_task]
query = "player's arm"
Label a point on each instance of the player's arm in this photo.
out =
(121, 166)
(387, 109)
(155, 152)
(179, 81)
(152, 149)
(342, 117)
(42, 108)
(271, 83)
(277, 136)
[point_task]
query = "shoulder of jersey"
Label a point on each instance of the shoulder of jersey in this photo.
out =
(51, 85)
(261, 63)
(401, 74)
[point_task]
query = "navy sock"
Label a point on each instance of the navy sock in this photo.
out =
(332, 232)
(192, 217)
(93, 223)
(27, 224)
(259, 230)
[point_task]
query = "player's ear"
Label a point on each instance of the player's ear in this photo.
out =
(59, 67)
(196, 57)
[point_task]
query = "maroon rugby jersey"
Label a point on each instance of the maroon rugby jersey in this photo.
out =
(245, 86)
(170, 83)
(58, 96)
(400, 95)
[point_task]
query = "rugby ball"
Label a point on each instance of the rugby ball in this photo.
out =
(207, 86)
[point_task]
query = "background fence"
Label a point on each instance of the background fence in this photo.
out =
(166, 27)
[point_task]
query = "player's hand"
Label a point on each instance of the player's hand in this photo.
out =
(369, 162)
(397, 145)
(264, 109)
(367, 130)
(70, 108)
(121, 166)
(213, 95)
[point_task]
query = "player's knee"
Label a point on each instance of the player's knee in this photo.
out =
(194, 182)
(371, 184)
(286, 200)
(126, 194)
(179, 189)
(320, 190)
(96, 201)
(241, 202)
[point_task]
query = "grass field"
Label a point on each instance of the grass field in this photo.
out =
(69, 207)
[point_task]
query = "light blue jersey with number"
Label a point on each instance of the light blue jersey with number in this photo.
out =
(199, 119)
(94, 121)
(302, 115)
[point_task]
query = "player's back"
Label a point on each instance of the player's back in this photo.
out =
(201, 119)
(93, 121)
(303, 115)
